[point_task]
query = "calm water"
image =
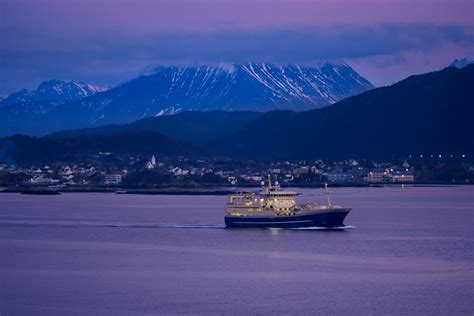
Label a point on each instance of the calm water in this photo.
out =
(411, 252)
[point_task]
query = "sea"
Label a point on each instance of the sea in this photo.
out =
(405, 251)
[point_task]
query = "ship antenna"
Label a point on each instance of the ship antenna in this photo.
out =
(328, 193)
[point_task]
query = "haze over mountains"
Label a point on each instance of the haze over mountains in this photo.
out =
(168, 90)
(424, 114)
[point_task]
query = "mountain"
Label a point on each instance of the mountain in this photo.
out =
(425, 114)
(35, 112)
(53, 90)
(461, 63)
(196, 127)
(255, 87)
(19, 149)
(428, 114)
(168, 90)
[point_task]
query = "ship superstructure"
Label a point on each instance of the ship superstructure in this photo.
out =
(274, 207)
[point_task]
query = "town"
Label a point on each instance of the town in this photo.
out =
(110, 171)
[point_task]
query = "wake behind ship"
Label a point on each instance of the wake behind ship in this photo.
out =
(272, 207)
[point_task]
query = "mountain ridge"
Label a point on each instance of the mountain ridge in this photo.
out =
(169, 90)
(423, 114)
(429, 114)
(54, 90)
(198, 127)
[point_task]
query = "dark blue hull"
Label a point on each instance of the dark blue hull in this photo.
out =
(329, 219)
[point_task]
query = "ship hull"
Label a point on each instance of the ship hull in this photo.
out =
(327, 219)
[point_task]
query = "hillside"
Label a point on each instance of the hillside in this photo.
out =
(425, 114)
(198, 127)
(19, 149)
(169, 90)
(428, 114)
(54, 91)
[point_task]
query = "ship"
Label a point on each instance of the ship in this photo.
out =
(273, 207)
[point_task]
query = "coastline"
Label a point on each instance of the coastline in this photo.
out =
(205, 189)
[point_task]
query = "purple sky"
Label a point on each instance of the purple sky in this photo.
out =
(109, 41)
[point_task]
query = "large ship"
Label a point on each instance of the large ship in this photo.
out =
(273, 207)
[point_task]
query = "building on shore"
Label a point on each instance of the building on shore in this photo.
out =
(376, 176)
(112, 178)
(340, 177)
(402, 177)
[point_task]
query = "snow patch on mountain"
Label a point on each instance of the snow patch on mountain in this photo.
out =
(461, 63)
(55, 91)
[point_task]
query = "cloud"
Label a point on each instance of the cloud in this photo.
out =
(112, 55)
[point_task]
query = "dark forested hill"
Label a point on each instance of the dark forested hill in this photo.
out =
(425, 114)
(19, 149)
(198, 127)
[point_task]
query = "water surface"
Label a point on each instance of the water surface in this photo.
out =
(411, 252)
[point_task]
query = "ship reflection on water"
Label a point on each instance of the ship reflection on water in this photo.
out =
(274, 231)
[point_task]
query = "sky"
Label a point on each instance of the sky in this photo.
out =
(111, 41)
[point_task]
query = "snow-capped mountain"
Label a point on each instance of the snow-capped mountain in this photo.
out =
(461, 63)
(54, 90)
(255, 87)
(169, 90)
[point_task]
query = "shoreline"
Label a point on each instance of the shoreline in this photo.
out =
(203, 190)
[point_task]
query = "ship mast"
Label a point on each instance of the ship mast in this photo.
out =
(327, 193)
